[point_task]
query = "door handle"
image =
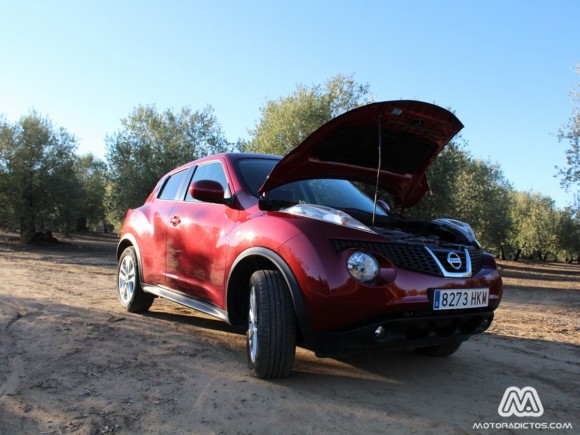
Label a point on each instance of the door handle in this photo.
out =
(175, 220)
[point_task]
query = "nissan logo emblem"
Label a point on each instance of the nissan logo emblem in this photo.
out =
(454, 260)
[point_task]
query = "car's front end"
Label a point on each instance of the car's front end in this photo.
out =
(390, 287)
(368, 276)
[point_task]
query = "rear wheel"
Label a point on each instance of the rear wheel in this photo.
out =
(441, 350)
(271, 335)
(131, 294)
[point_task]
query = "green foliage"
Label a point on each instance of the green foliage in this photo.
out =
(534, 221)
(289, 120)
(37, 176)
(150, 144)
(92, 176)
(568, 234)
(442, 176)
(570, 132)
(482, 200)
(509, 223)
(45, 185)
(470, 190)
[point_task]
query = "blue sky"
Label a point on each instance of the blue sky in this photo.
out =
(505, 67)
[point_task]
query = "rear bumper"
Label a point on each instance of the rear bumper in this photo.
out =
(402, 333)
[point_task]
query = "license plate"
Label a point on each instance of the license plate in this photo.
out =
(456, 299)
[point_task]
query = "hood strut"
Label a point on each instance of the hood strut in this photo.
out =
(379, 118)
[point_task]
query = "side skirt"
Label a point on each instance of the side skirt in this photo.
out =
(180, 298)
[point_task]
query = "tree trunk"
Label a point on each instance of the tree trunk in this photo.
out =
(82, 224)
(27, 228)
(27, 220)
(502, 252)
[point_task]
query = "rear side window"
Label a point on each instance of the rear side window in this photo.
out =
(172, 185)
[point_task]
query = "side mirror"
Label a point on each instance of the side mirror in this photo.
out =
(207, 191)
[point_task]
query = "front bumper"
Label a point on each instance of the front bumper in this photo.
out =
(400, 333)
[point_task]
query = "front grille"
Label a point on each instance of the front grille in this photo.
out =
(417, 257)
(476, 259)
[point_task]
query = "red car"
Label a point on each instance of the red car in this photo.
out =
(293, 249)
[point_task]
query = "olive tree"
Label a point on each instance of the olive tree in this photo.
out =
(468, 189)
(287, 121)
(37, 177)
(534, 230)
(570, 132)
(149, 144)
(92, 177)
(482, 199)
(439, 201)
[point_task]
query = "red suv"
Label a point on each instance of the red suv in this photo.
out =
(293, 249)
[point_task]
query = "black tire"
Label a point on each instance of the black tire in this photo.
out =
(441, 350)
(271, 335)
(129, 289)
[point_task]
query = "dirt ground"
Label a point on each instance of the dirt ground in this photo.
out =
(73, 361)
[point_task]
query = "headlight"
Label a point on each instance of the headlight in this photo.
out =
(362, 266)
(326, 214)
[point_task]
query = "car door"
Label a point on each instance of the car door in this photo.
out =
(197, 241)
(153, 232)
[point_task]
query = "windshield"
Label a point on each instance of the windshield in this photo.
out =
(253, 172)
(338, 194)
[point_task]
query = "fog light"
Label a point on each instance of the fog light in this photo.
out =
(362, 266)
(380, 333)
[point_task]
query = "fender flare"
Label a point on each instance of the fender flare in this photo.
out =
(129, 239)
(289, 277)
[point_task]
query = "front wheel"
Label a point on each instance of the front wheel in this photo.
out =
(131, 294)
(271, 335)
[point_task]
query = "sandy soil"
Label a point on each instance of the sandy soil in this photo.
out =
(72, 361)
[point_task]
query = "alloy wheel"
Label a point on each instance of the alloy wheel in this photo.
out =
(127, 279)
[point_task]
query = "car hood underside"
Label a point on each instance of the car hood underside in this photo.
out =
(394, 140)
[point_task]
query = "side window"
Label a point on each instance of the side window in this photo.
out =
(171, 186)
(210, 171)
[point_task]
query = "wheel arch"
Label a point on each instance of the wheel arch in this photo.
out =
(244, 266)
(128, 240)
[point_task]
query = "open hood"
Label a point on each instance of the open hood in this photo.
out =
(410, 135)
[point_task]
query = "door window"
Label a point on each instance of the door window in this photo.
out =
(210, 171)
(170, 188)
